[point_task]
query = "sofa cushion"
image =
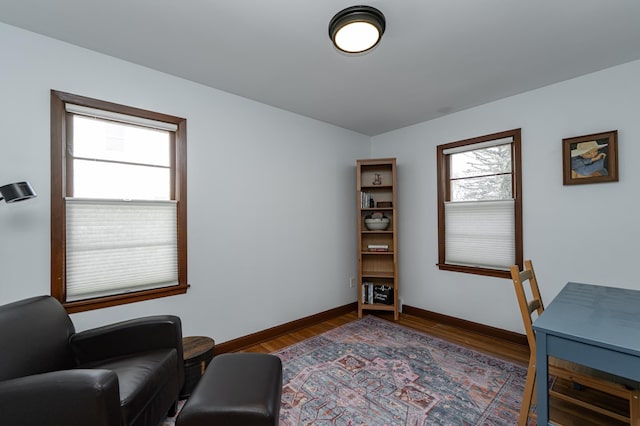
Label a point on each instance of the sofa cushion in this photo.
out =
(141, 376)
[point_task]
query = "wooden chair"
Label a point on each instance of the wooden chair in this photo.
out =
(581, 376)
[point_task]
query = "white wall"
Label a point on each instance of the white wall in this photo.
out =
(270, 193)
(581, 233)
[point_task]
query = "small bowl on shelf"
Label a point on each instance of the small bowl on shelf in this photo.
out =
(377, 224)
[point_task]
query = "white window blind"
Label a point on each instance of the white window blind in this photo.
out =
(480, 233)
(115, 246)
(123, 118)
(478, 145)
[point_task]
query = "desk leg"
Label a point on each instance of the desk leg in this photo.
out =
(542, 378)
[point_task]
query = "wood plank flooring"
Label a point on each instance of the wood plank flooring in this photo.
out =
(561, 412)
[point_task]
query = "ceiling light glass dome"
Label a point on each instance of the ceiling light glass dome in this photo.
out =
(357, 29)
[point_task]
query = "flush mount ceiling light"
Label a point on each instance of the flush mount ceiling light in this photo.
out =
(357, 29)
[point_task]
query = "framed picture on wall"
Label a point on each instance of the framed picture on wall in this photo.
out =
(590, 159)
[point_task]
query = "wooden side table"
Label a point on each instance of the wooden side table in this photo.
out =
(198, 352)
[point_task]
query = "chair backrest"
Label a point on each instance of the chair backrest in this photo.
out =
(530, 301)
(34, 337)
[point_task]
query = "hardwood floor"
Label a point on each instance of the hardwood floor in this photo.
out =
(562, 412)
(511, 351)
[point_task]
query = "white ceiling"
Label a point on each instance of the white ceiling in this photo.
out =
(436, 56)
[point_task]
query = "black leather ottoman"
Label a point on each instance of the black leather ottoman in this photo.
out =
(237, 389)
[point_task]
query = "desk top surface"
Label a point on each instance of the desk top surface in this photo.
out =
(603, 316)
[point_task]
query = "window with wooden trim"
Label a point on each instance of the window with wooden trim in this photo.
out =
(118, 203)
(480, 204)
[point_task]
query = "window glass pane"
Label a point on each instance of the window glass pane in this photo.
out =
(484, 188)
(481, 162)
(95, 179)
(113, 141)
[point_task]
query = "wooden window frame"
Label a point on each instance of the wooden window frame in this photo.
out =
(61, 188)
(443, 173)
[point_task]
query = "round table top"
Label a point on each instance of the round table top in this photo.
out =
(195, 346)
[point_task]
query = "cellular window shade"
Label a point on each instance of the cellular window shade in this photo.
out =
(478, 145)
(480, 233)
(122, 118)
(116, 246)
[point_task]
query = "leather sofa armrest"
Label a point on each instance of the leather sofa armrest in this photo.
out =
(128, 337)
(66, 397)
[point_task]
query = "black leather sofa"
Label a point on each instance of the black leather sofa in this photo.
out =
(129, 373)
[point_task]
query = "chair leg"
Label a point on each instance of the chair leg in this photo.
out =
(527, 395)
(634, 408)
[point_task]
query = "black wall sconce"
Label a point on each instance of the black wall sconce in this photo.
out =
(18, 191)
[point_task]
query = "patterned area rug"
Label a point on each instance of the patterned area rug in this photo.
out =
(375, 372)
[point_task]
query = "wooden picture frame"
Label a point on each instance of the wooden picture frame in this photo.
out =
(590, 158)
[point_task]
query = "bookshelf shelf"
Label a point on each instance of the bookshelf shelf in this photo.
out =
(366, 274)
(377, 232)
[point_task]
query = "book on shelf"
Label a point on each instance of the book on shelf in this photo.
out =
(366, 201)
(383, 294)
(377, 293)
(367, 292)
(378, 247)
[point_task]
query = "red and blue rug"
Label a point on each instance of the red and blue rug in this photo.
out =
(375, 372)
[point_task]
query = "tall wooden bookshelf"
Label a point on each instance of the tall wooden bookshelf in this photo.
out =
(377, 244)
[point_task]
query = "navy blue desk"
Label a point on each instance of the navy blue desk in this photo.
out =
(590, 325)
